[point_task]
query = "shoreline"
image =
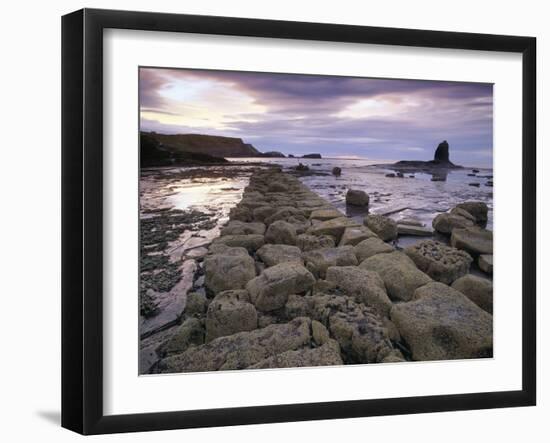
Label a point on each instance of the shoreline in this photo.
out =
(281, 231)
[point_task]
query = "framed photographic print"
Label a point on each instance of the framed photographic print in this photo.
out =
(269, 221)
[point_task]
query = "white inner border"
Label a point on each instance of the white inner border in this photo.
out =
(125, 392)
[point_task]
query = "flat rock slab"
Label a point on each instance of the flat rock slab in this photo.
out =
(421, 231)
(237, 227)
(475, 240)
(250, 242)
(241, 350)
(319, 260)
(271, 289)
(334, 227)
(439, 261)
(325, 214)
(352, 236)
(371, 246)
(273, 255)
(443, 324)
(399, 273)
(171, 304)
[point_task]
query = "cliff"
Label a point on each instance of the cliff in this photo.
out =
(213, 145)
(153, 153)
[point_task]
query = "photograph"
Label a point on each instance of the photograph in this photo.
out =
(299, 220)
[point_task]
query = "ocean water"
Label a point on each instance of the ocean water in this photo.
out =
(416, 198)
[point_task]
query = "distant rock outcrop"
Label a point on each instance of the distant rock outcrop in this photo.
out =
(312, 156)
(441, 160)
(272, 154)
(442, 153)
(213, 145)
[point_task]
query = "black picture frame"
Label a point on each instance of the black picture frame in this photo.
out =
(82, 218)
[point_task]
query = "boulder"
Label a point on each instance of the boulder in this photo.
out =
(400, 274)
(477, 289)
(352, 236)
(319, 333)
(442, 324)
(277, 187)
(475, 240)
(334, 227)
(440, 262)
(284, 212)
(356, 327)
(325, 355)
(251, 242)
(297, 306)
(308, 242)
(237, 227)
(261, 213)
(231, 269)
(355, 197)
(478, 210)
(318, 260)
(382, 226)
(446, 223)
(273, 255)
(485, 263)
(337, 171)
(195, 303)
(371, 246)
(241, 213)
(325, 214)
(241, 350)
(271, 289)
(230, 312)
(363, 286)
(189, 333)
(281, 232)
(463, 213)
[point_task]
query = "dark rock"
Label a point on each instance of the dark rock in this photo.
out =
(336, 171)
(356, 197)
(312, 156)
(441, 155)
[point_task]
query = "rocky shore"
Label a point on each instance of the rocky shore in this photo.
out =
(291, 281)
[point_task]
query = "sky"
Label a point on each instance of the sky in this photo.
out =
(379, 119)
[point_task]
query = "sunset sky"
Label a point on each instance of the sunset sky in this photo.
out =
(335, 116)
